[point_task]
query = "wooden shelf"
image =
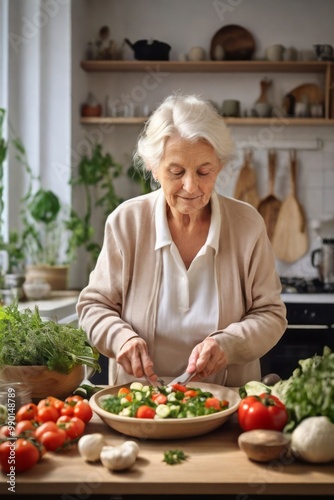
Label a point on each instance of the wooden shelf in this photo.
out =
(323, 67)
(209, 66)
(231, 121)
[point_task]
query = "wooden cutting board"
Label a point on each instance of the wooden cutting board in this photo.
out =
(290, 240)
(270, 206)
(245, 188)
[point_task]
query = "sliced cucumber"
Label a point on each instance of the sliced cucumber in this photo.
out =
(136, 386)
(171, 397)
(138, 396)
(174, 410)
(126, 412)
(162, 411)
(125, 402)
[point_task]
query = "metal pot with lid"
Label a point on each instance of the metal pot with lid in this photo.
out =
(150, 50)
(323, 259)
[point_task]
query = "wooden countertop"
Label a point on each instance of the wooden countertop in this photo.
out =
(215, 465)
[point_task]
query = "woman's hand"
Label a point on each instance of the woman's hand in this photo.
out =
(206, 358)
(134, 358)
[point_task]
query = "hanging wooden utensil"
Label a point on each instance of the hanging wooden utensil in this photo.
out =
(290, 241)
(270, 206)
(245, 188)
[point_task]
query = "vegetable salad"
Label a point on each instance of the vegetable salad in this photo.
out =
(176, 401)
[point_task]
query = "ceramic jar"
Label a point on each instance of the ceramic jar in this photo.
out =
(275, 52)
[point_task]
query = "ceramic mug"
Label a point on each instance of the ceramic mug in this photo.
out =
(275, 52)
(231, 107)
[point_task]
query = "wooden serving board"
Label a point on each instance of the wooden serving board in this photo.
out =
(245, 188)
(290, 239)
(270, 206)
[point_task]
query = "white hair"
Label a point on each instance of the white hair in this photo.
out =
(189, 117)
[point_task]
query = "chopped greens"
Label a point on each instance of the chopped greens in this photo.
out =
(172, 457)
(309, 391)
(27, 340)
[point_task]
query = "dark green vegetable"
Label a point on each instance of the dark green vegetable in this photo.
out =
(309, 392)
(172, 457)
(27, 340)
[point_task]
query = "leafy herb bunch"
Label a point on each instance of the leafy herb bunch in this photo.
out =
(27, 340)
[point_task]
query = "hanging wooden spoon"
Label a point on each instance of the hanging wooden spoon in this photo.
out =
(270, 206)
(245, 188)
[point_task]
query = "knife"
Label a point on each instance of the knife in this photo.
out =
(182, 379)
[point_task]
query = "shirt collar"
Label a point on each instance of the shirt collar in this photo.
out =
(163, 236)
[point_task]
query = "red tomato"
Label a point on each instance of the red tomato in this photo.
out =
(213, 403)
(262, 412)
(123, 391)
(73, 426)
(73, 399)
(47, 413)
(5, 431)
(51, 401)
(45, 427)
(18, 456)
(54, 439)
(190, 393)
(26, 426)
(159, 398)
(67, 410)
(27, 412)
(179, 387)
(145, 411)
(83, 410)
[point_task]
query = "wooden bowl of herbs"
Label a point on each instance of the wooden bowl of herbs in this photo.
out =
(51, 357)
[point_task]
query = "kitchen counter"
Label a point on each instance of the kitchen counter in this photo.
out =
(215, 465)
(57, 306)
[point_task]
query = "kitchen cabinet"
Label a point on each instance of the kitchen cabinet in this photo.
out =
(325, 68)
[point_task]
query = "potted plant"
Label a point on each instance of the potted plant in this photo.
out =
(51, 357)
(95, 175)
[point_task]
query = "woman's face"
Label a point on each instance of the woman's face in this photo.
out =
(187, 174)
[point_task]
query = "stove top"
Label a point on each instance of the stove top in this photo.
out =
(305, 286)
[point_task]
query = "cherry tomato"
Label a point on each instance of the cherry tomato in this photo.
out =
(73, 399)
(83, 410)
(45, 427)
(125, 393)
(212, 403)
(27, 412)
(5, 431)
(159, 398)
(190, 393)
(18, 455)
(53, 439)
(47, 413)
(25, 426)
(73, 426)
(51, 401)
(262, 412)
(145, 411)
(179, 387)
(67, 410)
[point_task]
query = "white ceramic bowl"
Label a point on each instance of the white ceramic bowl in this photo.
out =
(36, 290)
(169, 428)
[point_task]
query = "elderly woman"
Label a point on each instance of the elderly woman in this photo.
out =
(186, 278)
